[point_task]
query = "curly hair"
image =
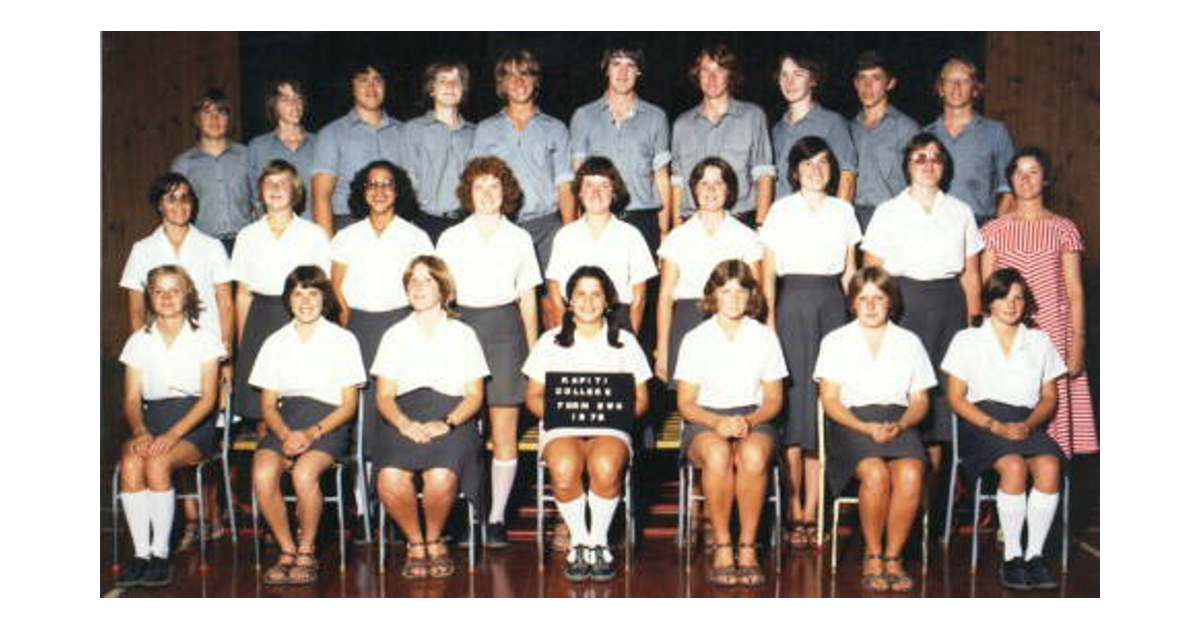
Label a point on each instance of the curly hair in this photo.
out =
(737, 271)
(566, 336)
(405, 205)
(494, 166)
(603, 167)
(191, 297)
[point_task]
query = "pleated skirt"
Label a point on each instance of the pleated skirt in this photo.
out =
(301, 412)
(457, 450)
(161, 415)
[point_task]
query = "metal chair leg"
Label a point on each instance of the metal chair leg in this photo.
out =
(833, 552)
(975, 526)
(383, 539)
(630, 526)
(233, 532)
(1066, 521)
(203, 518)
(341, 518)
(116, 519)
(681, 512)
(541, 515)
(949, 517)
(254, 528)
(470, 536)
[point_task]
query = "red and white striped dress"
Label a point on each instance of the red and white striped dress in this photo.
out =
(1035, 248)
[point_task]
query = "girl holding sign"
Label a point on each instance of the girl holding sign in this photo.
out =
(589, 340)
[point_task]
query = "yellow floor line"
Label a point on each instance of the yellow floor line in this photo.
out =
(116, 592)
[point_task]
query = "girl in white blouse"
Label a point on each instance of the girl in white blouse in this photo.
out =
(265, 252)
(874, 376)
(429, 375)
(589, 340)
(809, 240)
(170, 393)
(1002, 387)
(730, 388)
(309, 372)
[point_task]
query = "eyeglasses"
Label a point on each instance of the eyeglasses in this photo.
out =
(921, 159)
(381, 184)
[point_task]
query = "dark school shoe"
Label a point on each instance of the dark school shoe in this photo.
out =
(133, 571)
(1013, 574)
(1038, 574)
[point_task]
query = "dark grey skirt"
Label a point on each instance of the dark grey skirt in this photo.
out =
(502, 336)
(980, 448)
(161, 415)
(266, 316)
(301, 412)
(807, 308)
(846, 447)
(691, 429)
(457, 450)
(934, 310)
(368, 328)
(685, 315)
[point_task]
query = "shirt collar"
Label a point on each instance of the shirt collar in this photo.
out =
(1019, 342)
(384, 123)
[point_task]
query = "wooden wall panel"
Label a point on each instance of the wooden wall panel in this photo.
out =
(150, 81)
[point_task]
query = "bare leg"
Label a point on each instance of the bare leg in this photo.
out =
(793, 466)
(441, 488)
(565, 460)
(306, 477)
(906, 477)
(606, 459)
(874, 494)
(713, 454)
(268, 468)
(752, 460)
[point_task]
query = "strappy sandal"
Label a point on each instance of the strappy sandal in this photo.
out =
(898, 579)
(415, 568)
(304, 571)
(439, 566)
(874, 582)
(560, 539)
(798, 535)
(724, 576)
(815, 538)
(751, 574)
(279, 572)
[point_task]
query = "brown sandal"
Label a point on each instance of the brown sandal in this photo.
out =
(279, 572)
(304, 571)
(723, 576)
(898, 579)
(415, 568)
(751, 574)
(440, 566)
(874, 582)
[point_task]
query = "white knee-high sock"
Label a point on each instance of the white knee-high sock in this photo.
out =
(602, 516)
(137, 516)
(1041, 515)
(1011, 508)
(504, 472)
(162, 512)
(573, 514)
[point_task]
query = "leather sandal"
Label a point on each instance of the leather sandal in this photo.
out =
(278, 573)
(751, 574)
(723, 576)
(439, 566)
(898, 579)
(874, 582)
(415, 568)
(304, 571)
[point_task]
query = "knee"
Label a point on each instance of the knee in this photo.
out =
(752, 461)
(1012, 470)
(392, 487)
(158, 472)
(1046, 474)
(907, 477)
(874, 477)
(604, 473)
(132, 469)
(717, 460)
(265, 476)
(306, 479)
(565, 471)
(440, 484)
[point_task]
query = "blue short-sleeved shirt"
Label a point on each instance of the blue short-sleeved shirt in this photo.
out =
(269, 147)
(981, 153)
(881, 156)
(434, 156)
(539, 155)
(827, 125)
(347, 144)
(638, 147)
(739, 137)
(223, 185)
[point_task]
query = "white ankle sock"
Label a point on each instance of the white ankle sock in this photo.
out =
(162, 512)
(137, 516)
(573, 515)
(1011, 508)
(504, 472)
(1041, 514)
(602, 516)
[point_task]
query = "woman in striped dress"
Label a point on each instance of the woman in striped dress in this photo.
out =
(1045, 248)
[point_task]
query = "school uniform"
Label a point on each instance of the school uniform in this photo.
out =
(200, 255)
(695, 253)
(489, 275)
(810, 256)
(1007, 388)
(618, 249)
(875, 388)
(586, 355)
(729, 373)
(171, 378)
(263, 262)
(926, 252)
(308, 376)
(430, 371)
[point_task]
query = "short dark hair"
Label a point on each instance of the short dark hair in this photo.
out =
(522, 60)
(736, 270)
(727, 175)
(364, 66)
(814, 67)
(276, 166)
(494, 166)
(807, 148)
(724, 56)
(1043, 160)
(602, 166)
(272, 96)
(997, 286)
(406, 200)
(869, 59)
(626, 52)
(433, 69)
(164, 185)
(872, 274)
(213, 96)
(311, 277)
(566, 336)
(920, 141)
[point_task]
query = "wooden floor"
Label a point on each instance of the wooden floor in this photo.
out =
(658, 569)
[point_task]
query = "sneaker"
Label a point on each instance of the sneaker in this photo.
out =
(132, 572)
(603, 567)
(1039, 575)
(158, 572)
(579, 566)
(1014, 575)
(495, 536)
